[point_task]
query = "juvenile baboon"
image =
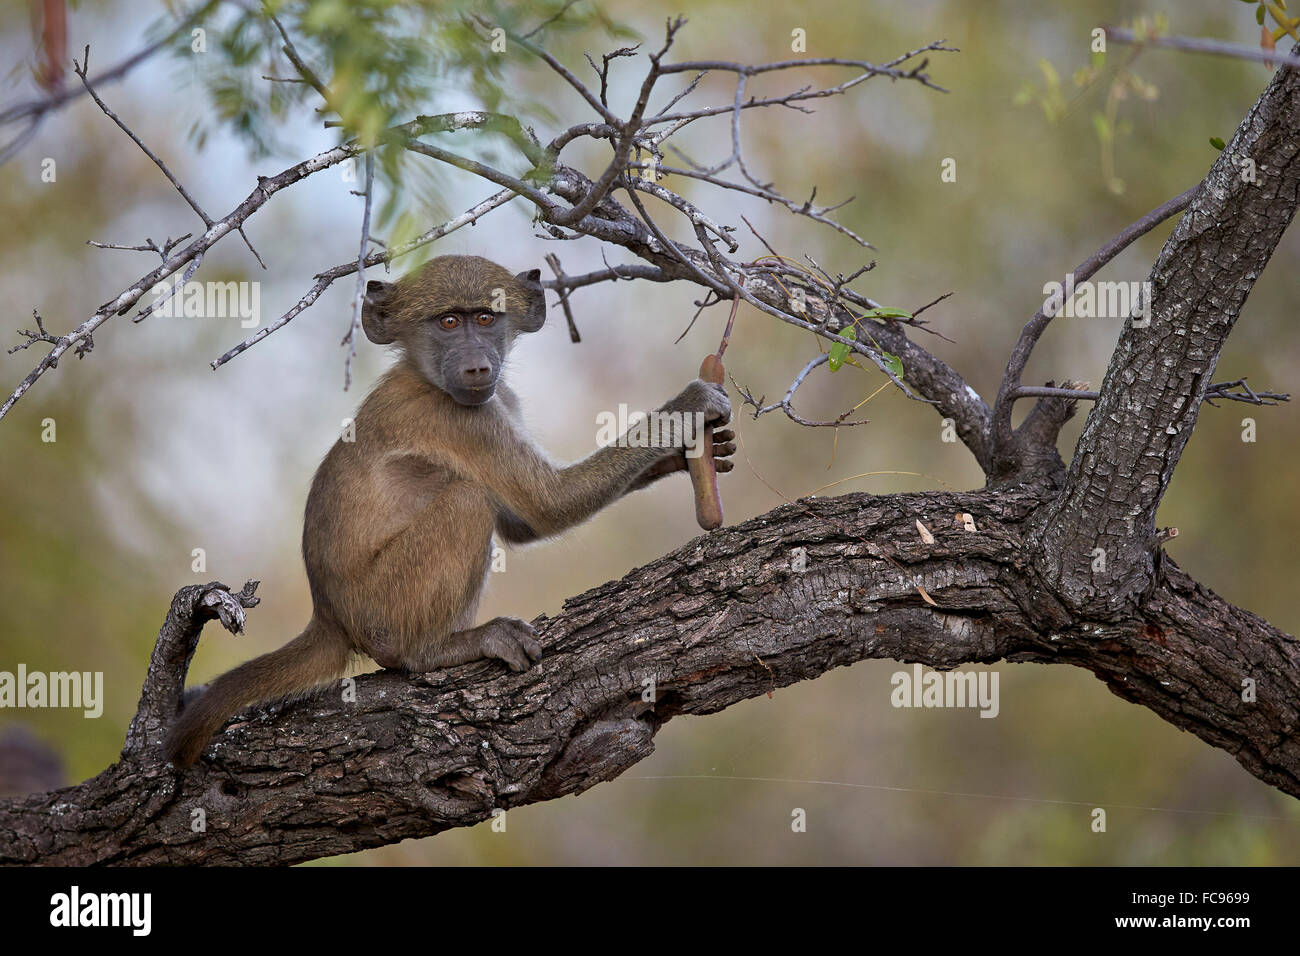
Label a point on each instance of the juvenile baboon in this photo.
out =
(398, 529)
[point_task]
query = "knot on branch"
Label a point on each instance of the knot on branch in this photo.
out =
(1031, 449)
(178, 638)
(600, 751)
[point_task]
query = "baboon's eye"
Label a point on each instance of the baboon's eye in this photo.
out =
(485, 318)
(449, 321)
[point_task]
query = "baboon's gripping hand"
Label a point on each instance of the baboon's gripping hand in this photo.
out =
(724, 446)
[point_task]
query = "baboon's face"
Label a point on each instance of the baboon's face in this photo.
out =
(456, 318)
(460, 351)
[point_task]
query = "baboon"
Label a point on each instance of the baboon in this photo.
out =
(397, 534)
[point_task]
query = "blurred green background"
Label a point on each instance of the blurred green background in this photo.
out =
(158, 455)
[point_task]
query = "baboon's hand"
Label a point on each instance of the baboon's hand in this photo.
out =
(724, 446)
(705, 398)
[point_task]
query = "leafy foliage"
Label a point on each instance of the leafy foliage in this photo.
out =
(1107, 124)
(1121, 84)
(366, 65)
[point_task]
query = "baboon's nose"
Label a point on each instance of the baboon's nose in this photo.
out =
(476, 374)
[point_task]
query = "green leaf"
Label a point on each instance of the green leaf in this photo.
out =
(883, 313)
(1102, 127)
(1259, 15)
(1217, 143)
(895, 364)
(840, 351)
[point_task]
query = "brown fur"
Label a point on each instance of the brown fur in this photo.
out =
(398, 528)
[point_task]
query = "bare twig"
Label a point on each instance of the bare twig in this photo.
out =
(308, 75)
(149, 245)
(785, 406)
(558, 14)
(609, 274)
(630, 130)
(592, 100)
(683, 93)
(562, 289)
(603, 70)
(800, 209)
(171, 290)
(685, 208)
(326, 278)
(80, 70)
(40, 335)
(358, 300)
(889, 69)
(513, 183)
(928, 305)
(1224, 390)
(1034, 328)
(790, 100)
(1219, 390)
(127, 298)
(1238, 51)
(671, 248)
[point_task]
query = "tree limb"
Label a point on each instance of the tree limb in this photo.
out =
(722, 619)
(1160, 371)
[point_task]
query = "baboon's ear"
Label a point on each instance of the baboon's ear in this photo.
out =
(535, 314)
(376, 316)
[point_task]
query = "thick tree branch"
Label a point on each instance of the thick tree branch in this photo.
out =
(164, 685)
(1160, 371)
(720, 620)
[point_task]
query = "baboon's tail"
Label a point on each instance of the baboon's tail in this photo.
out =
(317, 655)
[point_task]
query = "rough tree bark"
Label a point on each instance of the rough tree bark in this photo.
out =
(720, 620)
(726, 617)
